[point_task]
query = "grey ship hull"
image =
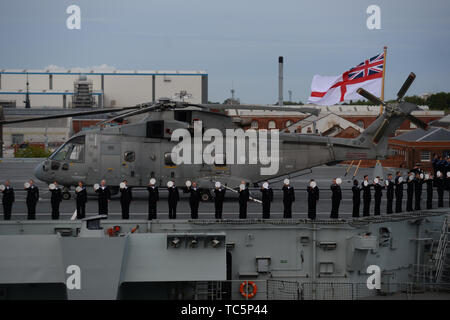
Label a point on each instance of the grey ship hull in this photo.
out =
(286, 259)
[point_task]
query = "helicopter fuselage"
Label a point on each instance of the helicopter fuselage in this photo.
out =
(140, 151)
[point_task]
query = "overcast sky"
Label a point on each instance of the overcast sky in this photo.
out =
(234, 41)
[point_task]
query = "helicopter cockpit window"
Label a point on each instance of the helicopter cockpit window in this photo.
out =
(129, 156)
(72, 150)
(77, 153)
(61, 153)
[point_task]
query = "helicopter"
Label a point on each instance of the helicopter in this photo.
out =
(144, 149)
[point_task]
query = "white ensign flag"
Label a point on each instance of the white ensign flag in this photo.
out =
(329, 90)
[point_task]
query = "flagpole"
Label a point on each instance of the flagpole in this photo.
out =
(382, 87)
(382, 81)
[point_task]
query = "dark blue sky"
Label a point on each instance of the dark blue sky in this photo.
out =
(234, 41)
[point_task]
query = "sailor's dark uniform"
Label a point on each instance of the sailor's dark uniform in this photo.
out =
(126, 196)
(288, 199)
(409, 194)
(429, 193)
(7, 201)
(377, 196)
(81, 199)
(55, 200)
(153, 198)
(194, 201)
(173, 199)
(398, 194)
(418, 193)
(219, 196)
(32, 200)
(244, 196)
(356, 190)
(389, 196)
(336, 198)
(267, 198)
(104, 194)
(313, 197)
(367, 196)
(439, 184)
(447, 186)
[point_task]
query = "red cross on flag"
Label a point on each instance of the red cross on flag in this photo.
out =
(329, 90)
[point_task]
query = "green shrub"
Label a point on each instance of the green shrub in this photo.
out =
(32, 152)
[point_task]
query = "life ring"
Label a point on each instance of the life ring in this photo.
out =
(252, 293)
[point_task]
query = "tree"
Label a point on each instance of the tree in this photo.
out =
(439, 101)
(232, 101)
(292, 103)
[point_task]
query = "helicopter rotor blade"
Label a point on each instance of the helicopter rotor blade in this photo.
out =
(419, 123)
(180, 105)
(131, 113)
(366, 94)
(380, 131)
(406, 85)
(314, 111)
(67, 115)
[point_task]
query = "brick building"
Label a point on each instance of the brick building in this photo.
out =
(360, 115)
(418, 146)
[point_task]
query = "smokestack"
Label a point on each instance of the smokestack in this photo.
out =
(280, 81)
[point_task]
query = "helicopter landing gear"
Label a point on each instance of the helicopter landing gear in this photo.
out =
(66, 194)
(206, 195)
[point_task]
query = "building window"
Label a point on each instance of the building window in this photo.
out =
(288, 123)
(360, 123)
(425, 155)
(271, 125)
(17, 138)
(254, 124)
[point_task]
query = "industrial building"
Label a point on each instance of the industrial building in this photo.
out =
(70, 88)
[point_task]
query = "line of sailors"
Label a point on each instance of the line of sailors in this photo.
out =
(394, 187)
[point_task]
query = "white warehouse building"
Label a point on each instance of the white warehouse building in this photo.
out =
(110, 88)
